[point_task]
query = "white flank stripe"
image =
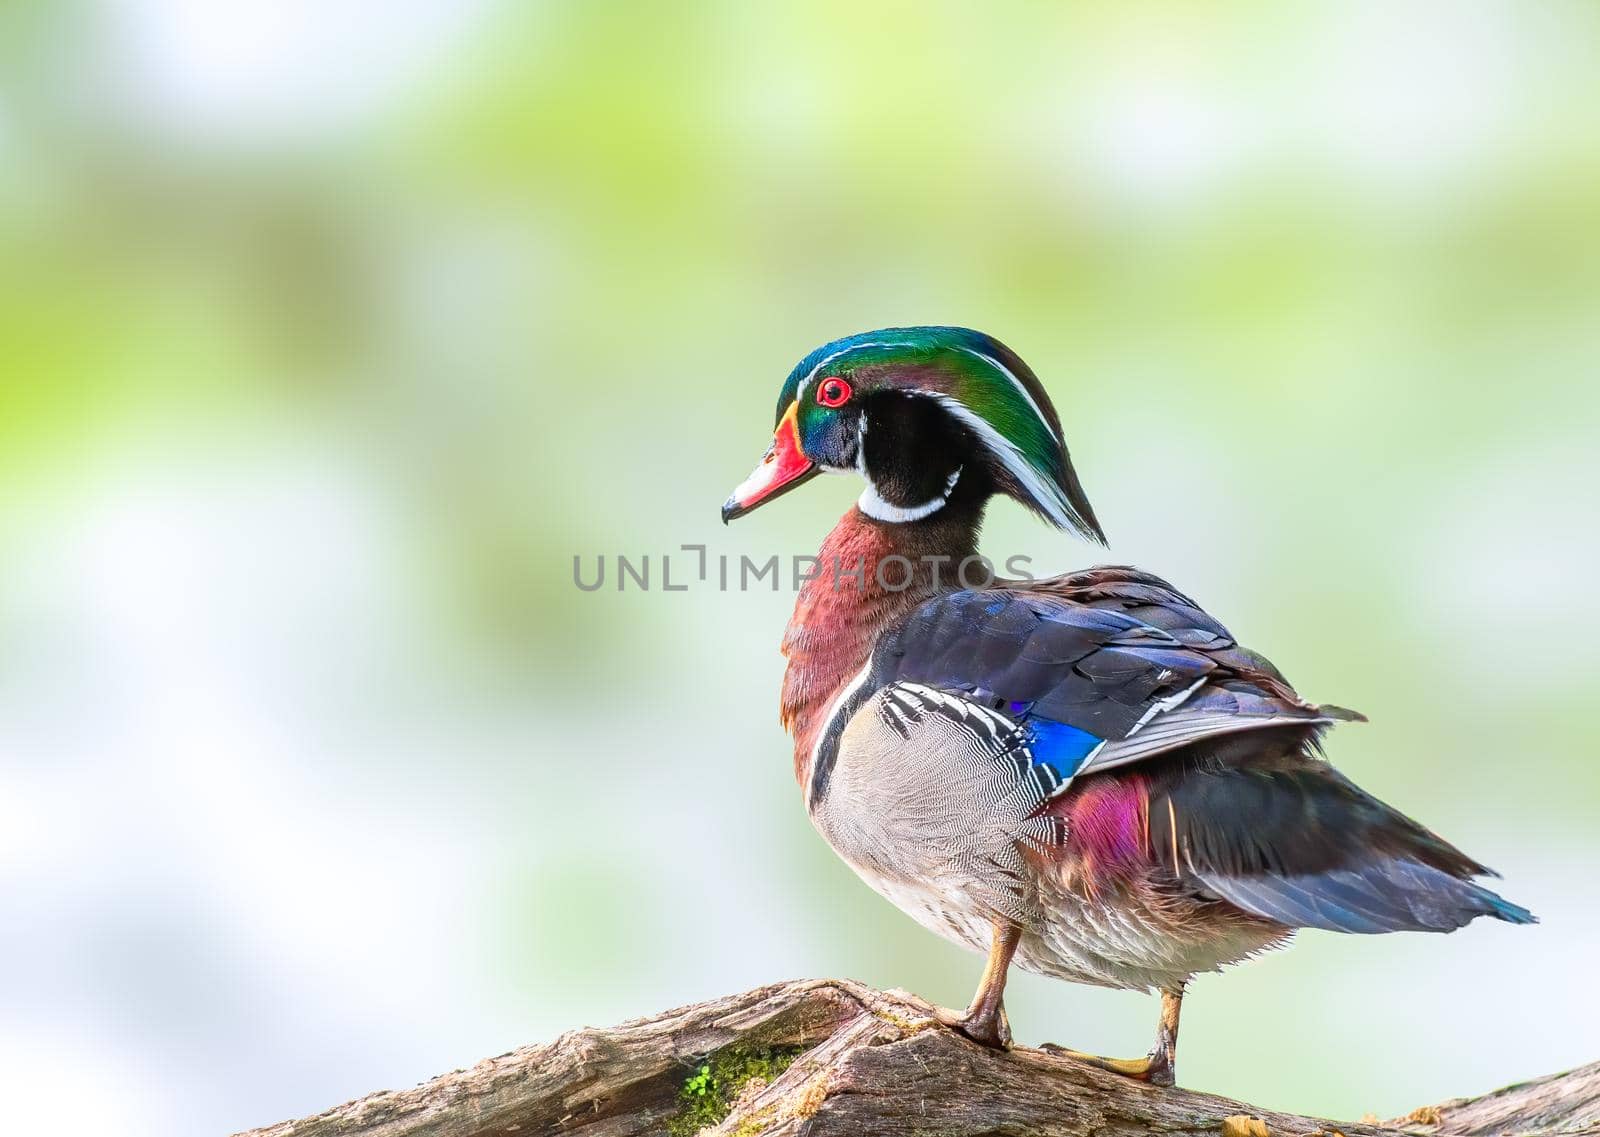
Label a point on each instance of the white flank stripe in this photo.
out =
(834, 707)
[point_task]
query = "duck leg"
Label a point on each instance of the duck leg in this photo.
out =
(1159, 1067)
(985, 1021)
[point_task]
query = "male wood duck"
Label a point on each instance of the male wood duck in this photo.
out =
(1086, 775)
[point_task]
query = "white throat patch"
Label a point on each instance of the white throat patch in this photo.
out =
(874, 506)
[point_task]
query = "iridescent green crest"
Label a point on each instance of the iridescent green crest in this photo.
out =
(982, 384)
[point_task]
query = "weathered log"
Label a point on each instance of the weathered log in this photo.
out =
(825, 1057)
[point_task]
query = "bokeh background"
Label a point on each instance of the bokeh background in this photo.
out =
(332, 330)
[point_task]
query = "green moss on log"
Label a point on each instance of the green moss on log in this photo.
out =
(708, 1093)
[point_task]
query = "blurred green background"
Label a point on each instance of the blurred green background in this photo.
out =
(330, 332)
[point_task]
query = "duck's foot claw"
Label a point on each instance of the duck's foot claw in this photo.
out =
(992, 1031)
(1154, 1068)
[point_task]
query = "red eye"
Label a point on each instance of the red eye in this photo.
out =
(833, 393)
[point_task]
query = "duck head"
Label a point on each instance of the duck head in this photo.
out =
(927, 416)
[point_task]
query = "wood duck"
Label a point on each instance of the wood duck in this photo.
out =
(1086, 775)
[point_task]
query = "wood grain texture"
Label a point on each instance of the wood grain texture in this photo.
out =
(876, 1063)
(1560, 1103)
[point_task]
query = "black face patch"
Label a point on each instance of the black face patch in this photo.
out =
(912, 447)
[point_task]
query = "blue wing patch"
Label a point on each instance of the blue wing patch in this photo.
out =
(1061, 746)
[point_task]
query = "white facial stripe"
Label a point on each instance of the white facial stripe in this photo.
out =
(989, 359)
(800, 391)
(872, 504)
(1018, 384)
(1043, 491)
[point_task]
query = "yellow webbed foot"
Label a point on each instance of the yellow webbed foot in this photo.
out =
(1160, 1066)
(1155, 1068)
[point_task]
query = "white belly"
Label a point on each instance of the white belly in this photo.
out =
(948, 912)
